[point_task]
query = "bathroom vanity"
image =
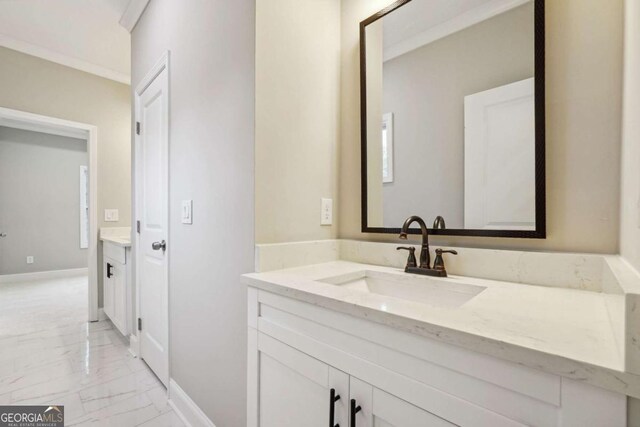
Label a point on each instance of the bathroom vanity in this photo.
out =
(345, 333)
(116, 277)
(410, 350)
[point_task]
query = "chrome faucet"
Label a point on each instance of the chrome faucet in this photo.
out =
(425, 258)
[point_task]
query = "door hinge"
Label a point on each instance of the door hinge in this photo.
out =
(137, 128)
(138, 227)
(139, 324)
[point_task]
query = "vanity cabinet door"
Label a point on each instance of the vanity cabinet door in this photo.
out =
(119, 283)
(107, 287)
(378, 408)
(115, 293)
(295, 389)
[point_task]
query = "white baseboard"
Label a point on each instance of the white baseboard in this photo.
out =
(43, 275)
(102, 315)
(186, 408)
(134, 345)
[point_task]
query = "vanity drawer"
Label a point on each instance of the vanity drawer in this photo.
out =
(115, 252)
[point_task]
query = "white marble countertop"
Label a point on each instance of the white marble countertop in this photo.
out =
(568, 332)
(117, 240)
(119, 236)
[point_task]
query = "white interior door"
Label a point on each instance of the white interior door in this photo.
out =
(152, 145)
(499, 158)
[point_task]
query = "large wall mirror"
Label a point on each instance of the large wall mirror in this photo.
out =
(452, 102)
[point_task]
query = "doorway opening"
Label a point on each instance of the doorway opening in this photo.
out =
(87, 175)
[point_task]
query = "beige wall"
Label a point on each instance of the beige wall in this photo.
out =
(297, 117)
(211, 161)
(37, 86)
(32, 84)
(584, 77)
(40, 201)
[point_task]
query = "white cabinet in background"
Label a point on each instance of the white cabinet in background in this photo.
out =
(117, 286)
(299, 352)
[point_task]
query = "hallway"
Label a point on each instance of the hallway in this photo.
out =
(49, 354)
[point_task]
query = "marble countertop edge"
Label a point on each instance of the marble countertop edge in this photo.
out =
(124, 242)
(610, 377)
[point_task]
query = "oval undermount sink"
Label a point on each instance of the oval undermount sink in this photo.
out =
(440, 292)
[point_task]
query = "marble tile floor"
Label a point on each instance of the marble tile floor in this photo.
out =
(50, 354)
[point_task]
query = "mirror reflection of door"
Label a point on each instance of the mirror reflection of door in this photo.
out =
(499, 144)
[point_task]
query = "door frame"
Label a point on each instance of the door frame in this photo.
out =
(161, 65)
(40, 123)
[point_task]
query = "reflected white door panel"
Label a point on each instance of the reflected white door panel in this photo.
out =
(499, 145)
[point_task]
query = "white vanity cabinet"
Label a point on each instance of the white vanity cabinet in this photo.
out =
(116, 285)
(298, 352)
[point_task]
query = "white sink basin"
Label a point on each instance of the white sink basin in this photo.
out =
(440, 292)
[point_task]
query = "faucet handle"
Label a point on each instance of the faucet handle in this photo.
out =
(440, 251)
(411, 261)
(438, 264)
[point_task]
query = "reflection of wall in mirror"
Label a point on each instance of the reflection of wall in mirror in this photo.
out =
(425, 89)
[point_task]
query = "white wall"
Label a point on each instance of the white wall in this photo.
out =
(211, 161)
(584, 99)
(40, 201)
(297, 117)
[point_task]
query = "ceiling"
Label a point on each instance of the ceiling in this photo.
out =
(420, 22)
(83, 34)
(420, 15)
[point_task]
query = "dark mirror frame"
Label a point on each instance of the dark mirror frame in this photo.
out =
(540, 173)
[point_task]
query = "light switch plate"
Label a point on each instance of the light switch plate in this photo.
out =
(187, 211)
(326, 212)
(111, 215)
(30, 260)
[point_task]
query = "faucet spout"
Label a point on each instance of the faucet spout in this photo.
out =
(425, 257)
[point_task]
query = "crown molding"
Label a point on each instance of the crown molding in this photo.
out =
(62, 59)
(133, 13)
(459, 23)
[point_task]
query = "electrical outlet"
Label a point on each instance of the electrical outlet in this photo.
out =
(326, 212)
(111, 215)
(29, 260)
(187, 211)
